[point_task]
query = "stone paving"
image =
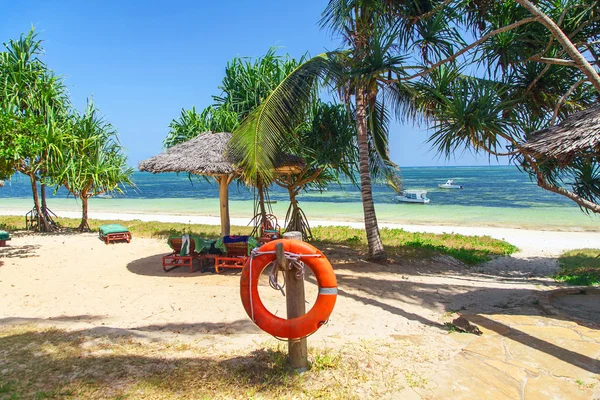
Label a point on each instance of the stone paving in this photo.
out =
(521, 357)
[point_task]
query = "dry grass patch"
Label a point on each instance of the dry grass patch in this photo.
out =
(51, 363)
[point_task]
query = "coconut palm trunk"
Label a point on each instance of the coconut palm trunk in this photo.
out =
(376, 251)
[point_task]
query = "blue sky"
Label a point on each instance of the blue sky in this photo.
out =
(142, 62)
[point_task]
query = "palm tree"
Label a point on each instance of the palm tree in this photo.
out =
(246, 84)
(93, 161)
(34, 102)
(365, 74)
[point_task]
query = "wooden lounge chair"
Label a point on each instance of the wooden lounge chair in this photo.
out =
(4, 236)
(175, 259)
(113, 233)
(236, 252)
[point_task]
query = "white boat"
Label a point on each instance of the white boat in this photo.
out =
(413, 196)
(449, 185)
(104, 196)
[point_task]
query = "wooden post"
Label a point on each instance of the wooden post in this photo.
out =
(224, 203)
(295, 302)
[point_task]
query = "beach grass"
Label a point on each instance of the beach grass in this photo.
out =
(579, 267)
(40, 363)
(400, 244)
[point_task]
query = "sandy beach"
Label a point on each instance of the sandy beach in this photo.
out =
(78, 283)
(124, 286)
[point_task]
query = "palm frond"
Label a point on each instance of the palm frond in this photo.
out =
(260, 137)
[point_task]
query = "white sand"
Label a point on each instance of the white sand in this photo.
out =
(77, 282)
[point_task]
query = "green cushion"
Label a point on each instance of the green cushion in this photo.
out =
(112, 228)
(200, 245)
(4, 235)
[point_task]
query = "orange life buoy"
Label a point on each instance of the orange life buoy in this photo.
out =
(294, 328)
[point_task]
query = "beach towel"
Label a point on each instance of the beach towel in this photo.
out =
(220, 243)
(185, 245)
(201, 245)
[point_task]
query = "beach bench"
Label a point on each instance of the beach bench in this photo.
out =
(181, 256)
(113, 233)
(236, 250)
(4, 236)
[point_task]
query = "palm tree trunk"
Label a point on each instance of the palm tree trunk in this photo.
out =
(43, 225)
(376, 250)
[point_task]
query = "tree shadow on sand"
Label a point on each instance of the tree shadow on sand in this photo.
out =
(504, 286)
(19, 251)
(152, 266)
(397, 288)
(63, 318)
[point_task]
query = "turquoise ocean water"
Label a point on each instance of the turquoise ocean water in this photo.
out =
(492, 196)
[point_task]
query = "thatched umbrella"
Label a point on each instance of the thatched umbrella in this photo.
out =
(578, 134)
(207, 154)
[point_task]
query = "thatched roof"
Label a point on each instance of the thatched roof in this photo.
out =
(206, 154)
(577, 134)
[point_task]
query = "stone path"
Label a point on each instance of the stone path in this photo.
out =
(521, 357)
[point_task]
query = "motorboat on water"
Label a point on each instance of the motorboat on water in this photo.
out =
(449, 185)
(413, 196)
(104, 196)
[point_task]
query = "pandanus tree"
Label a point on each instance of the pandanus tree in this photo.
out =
(327, 143)
(93, 161)
(247, 83)
(537, 64)
(191, 123)
(33, 105)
